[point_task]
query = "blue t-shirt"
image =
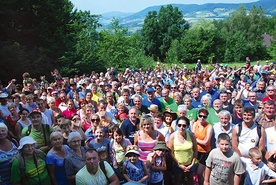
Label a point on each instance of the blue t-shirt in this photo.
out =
(134, 171)
(52, 158)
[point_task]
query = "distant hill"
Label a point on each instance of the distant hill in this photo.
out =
(191, 12)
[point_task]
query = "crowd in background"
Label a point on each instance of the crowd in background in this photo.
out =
(154, 126)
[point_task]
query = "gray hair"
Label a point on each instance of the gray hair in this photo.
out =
(73, 135)
(207, 97)
(54, 134)
(225, 113)
(182, 108)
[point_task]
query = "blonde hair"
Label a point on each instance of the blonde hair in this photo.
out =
(254, 151)
(146, 118)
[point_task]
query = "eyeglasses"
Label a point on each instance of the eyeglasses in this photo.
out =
(93, 120)
(182, 125)
(202, 116)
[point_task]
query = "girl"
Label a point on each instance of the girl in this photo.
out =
(101, 144)
(156, 163)
(133, 168)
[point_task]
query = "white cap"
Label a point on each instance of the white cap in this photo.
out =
(26, 140)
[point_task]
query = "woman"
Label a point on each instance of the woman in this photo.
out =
(12, 120)
(86, 120)
(75, 125)
(52, 106)
(88, 98)
(203, 132)
(70, 109)
(206, 101)
(184, 148)
(81, 110)
(28, 163)
(7, 151)
(90, 132)
(177, 96)
(147, 137)
(55, 159)
(23, 122)
(74, 161)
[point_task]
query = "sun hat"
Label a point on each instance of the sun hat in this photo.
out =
(3, 95)
(168, 111)
(132, 149)
(26, 140)
(153, 108)
(160, 145)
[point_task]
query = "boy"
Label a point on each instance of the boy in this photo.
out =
(256, 170)
(223, 164)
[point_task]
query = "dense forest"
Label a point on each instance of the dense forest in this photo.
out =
(40, 35)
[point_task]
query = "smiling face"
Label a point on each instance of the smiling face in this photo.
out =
(57, 140)
(117, 137)
(132, 157)
(28, 149)
(3, 133)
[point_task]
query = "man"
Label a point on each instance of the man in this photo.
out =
(95, 94)
(167, 102)
(196, 103)
(151, 99)
(252, 100)
(38, 131)
(92, 173)
(247, 134)
(270, 94)
(226, 105)
(268, 118)
(102, 108)
(137, 100)
(130, 125)
(73, 89)
(30, 104)
(209, 90)
(260, 90)
(213, 116)
(47, 114)
(125, 98)
(223, 126)
(139, 91)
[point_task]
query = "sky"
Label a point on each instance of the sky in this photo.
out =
(129, 6)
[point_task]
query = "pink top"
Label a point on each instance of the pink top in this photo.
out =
(146, 147)
(67, 113)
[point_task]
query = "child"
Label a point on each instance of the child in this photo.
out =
(134, 169)
(101, 144)
(118, 147)
(223, 164)
(156, 162)
(256, 170)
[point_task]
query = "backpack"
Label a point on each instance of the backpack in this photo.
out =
(102, 166)
(43, 129)
(259, 130)
(22, 167)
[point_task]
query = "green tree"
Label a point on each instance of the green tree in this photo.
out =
(159, 31)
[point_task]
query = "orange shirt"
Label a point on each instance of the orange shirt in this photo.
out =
(201, 135)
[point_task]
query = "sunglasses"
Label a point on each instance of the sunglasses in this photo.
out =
(202, 116)
(182, 125)
(93, 120)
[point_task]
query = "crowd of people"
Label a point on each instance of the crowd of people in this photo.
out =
(208, 125)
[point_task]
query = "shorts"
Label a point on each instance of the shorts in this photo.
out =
(202, 157)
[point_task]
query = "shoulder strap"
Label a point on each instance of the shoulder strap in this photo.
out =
(40, 154)
(239, 129)
(102, 166)
(259, 130)
(29, 130)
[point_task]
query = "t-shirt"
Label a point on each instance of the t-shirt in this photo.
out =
(52, 158)
(38, 135)
(257, 175)
(134, 171)
(34, 174)
(5, 167)
(170, 104)
(223, 167)
(129, 129)
(102, 148)
(83, 177)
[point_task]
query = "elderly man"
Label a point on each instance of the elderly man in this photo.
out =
(196, 101)
(260, 90)
(223, 126)
(214, 112)
(252, 100)
(209, 90)
(96, 171)
(270, 94)
(167, 102)
(226, 105)
(137, 100)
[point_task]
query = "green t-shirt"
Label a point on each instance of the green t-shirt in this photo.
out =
(170, 104)
(192, 114)
(212, 116)
(38, 136)
(32, 174)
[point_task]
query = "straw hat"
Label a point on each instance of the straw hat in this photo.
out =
(153, 108)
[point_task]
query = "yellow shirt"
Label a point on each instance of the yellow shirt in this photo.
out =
(183, 152)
